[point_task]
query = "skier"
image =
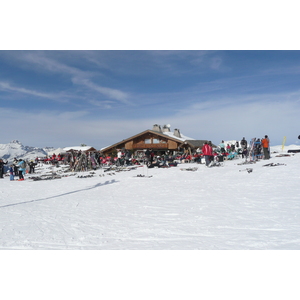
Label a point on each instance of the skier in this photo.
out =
(31, 166)
(152, 156)
(2, 163)
(244, 147)
(11, 173)
(119, 155)
(22, 167)
(16, 169)
(127, 157)
(207, 152)
(222, 147)
(147, 154)
(265, 144)
(228, 148)
(257, 148)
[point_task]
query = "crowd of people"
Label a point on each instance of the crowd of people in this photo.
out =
(257, 149)
(19, 167)
(80, 161)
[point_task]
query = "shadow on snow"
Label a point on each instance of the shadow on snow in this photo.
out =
(92, 187)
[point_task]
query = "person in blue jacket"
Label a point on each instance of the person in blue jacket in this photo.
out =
(22, 168)
(222, 147)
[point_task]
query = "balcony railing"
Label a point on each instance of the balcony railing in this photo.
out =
(150, 146)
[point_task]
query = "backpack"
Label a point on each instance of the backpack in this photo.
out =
(23, 164)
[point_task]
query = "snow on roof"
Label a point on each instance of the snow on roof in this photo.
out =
(56, 151)
(77, 148)
(182, 138)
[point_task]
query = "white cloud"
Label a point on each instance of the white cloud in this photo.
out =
(111, 93)
(101, 104)
(5, 86)
(37, 59)
(78, 76)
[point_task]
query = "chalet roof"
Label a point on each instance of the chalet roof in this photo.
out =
(169, 135)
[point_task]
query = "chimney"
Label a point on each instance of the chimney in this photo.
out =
(177, 133)
(156, 128)
(166, 128)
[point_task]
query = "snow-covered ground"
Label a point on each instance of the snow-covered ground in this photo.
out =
(212, 208)
(222, 208)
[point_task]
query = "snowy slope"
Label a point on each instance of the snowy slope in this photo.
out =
(220, 208)
(212, 208)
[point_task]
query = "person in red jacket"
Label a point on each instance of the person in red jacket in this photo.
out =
(207, 152)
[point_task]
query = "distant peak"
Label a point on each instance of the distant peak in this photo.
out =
(15, 142)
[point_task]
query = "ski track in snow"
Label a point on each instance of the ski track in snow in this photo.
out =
(211, 208)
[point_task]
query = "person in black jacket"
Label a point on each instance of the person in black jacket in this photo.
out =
(31, 167)
(16, 169)
(244, 145)
(2, 163)
(147, 154)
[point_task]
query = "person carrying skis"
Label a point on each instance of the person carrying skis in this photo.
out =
(265, 142)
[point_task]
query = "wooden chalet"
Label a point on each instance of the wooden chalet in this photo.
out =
(160, 140)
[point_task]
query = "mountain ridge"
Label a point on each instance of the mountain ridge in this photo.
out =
(15, 149)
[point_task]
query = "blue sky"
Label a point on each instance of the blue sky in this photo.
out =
(66, 98)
